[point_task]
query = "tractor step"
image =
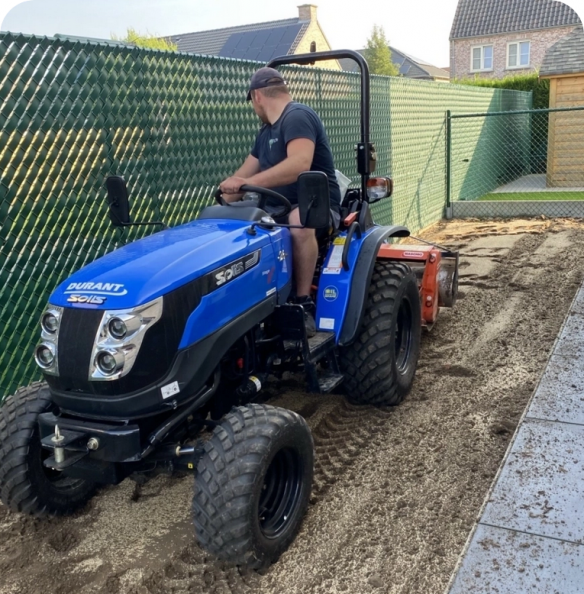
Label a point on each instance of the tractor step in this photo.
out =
(290, 321)
(320, 344)
(316, 347)
(329, 381)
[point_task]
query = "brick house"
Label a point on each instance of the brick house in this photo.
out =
(261, 41)
(498, 38)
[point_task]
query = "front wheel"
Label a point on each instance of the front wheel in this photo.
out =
(252, 485)
(26, 485)
(380, 365)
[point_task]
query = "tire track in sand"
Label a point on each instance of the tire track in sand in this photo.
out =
(395, 492)
(340, 438)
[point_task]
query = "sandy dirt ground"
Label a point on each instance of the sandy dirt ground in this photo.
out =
(396, 491)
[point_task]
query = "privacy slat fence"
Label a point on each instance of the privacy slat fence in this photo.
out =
(175, 125)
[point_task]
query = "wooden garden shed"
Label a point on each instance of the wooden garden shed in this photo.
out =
(564, 66)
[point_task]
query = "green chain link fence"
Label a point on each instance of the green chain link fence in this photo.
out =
(175, 125)
(519, 163)
(419, 140)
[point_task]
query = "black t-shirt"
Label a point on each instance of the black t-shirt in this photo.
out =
(297, 121)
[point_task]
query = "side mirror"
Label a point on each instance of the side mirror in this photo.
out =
(314, 199)
(117, 199)
(378, 188)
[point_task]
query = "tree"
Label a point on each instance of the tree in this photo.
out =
(146, 40)
(378, 54)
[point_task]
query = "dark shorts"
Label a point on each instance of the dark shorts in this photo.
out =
(335, 217)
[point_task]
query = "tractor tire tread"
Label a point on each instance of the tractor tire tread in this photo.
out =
(225, 479)
(18, 421)
(368, 377)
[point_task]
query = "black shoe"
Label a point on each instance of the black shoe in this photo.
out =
(309, 313)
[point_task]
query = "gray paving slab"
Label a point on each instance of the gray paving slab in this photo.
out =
(578, 304)
(560, 394)
(535, 182)
(570, 343)
(501, 561)
(540, 489)
(516, 208)
(531, 533)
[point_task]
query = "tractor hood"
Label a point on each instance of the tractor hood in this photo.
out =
(156, 265)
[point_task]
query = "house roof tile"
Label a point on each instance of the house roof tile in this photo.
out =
(409, 66)
(566, 56)
(475, 18)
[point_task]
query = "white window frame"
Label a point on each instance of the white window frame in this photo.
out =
(518, 44)
(482, 48)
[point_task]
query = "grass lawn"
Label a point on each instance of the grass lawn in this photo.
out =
(534, 196)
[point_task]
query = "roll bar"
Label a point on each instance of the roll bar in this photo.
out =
(365, 150)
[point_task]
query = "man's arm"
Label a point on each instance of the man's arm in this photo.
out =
(250, 167)
(300, 153)
(231, 185)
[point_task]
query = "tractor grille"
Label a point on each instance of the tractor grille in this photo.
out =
(76, 335)
(159, 347)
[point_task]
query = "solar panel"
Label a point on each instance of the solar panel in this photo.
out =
(262, 45)
(230, 46)
(260, 39)
(274, 37)
(265, 54)
(290, 33)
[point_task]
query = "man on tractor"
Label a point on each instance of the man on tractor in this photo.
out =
(292, 140)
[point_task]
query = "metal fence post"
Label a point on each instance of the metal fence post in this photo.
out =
(448, 213)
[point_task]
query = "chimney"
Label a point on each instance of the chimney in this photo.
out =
(307, 12)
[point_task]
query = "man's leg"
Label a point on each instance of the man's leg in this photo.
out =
(304, 255)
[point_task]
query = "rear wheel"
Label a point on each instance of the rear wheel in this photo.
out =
(26, 485)
(252, 485)
(380, 365)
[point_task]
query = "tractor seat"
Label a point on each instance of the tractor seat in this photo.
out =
(236, 212)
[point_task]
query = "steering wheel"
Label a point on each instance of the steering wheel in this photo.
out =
(265, 193)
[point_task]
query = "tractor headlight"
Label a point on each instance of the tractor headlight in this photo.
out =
(45, 353)
(117, 328)
(110, 362)
(50, 323)
(119, 338)
(124, 325)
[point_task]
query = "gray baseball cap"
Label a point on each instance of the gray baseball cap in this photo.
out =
(265, 77)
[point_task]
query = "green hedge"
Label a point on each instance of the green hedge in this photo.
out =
(520, 82)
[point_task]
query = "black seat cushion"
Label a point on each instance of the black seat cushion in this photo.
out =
(237, 212)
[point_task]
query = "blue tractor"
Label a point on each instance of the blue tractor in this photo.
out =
(154, 356)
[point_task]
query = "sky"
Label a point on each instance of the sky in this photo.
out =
(418, 27)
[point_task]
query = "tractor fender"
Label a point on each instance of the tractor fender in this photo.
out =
(361, 278)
